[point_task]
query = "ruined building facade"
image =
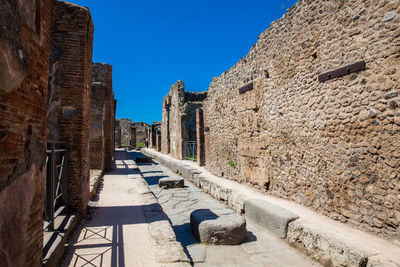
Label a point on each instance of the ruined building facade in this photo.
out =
(70, 92)
(45, 96)
(125, 125)
(179, 118)
(155, 136)
(330, 142)
(142, 130)
(310, 114)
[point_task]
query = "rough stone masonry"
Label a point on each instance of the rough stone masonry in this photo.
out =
(333, 146)
(179, 118)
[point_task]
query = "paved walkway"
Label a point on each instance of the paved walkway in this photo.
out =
(260, 248)
(116, 233)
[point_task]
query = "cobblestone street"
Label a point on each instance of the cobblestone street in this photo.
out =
(260, 247)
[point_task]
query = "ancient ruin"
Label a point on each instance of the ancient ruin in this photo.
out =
(289, 158)
(51, 120)
(179, 119)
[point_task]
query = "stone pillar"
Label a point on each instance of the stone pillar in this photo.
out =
(206, 140)
(133, 137)
(24, 76)
(97, 119)
(158, 140)
(180, 152)
(200, 137)
(117, 134)
(105, 71)
(71, 55)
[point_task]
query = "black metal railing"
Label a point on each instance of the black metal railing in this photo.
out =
(56, 198)
(190, 150)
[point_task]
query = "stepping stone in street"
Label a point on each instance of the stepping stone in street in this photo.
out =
(171, 182)
(144, 159)
(223, 229)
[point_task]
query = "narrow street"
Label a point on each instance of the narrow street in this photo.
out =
(116, 231)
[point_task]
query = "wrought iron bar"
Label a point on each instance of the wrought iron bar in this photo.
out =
(56, 182)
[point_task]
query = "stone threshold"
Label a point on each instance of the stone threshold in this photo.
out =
(323, 239)
(54, 241)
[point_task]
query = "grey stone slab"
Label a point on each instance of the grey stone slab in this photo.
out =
(208, 227)
(170, 252)
(197, 252)
(161, 231)
(326, 248)
(269, 216)
(169, 182)
(389, 16)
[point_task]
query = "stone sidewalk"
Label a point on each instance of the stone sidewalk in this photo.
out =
(117, 231)
(260, 247)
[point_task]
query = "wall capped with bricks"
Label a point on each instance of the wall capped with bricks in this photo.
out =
(24, 65)
(71, 64)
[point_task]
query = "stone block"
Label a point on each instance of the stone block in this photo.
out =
(144, 160)
(224, 229)
(328, 247)
(269, 216)
(171, 182)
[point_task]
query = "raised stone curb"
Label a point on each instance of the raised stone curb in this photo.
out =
(269, 216)
(169, 182)
(210, 227)
(233, 199)
(325, 248)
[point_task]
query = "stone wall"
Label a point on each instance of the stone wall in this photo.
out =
(142, 132)
(117, 134)
(332, 146)
(125, 125)
(70, 90)
(24, 68)
(179, 118)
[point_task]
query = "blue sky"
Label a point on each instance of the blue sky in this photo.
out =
(153, 43)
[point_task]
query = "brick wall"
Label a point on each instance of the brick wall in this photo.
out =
(24, 54)
(71, 59)
(332, 146)
(102, 117)
(110, 107)
(97, 118)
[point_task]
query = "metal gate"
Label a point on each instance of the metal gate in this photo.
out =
(56, 182)
(190, 150)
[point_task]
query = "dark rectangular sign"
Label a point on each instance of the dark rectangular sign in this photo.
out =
(246, 88)
(342, 71)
